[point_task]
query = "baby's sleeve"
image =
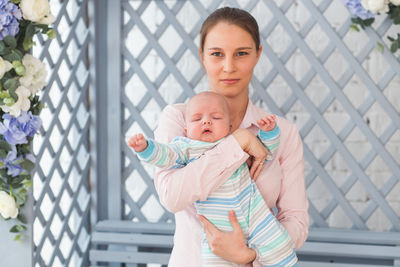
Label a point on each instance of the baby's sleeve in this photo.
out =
(271, 140)
(162, 155)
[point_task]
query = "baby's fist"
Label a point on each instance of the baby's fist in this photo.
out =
(138, 142)
(268, 123)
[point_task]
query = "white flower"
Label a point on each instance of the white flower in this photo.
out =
(37, 11)
(395, 2)
(8, 207)
(35, 74)
(376, 6)
(22, 103)
(4, 67)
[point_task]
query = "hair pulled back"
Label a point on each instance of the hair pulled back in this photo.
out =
(236, 16)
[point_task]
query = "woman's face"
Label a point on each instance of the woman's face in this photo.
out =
(229, 57)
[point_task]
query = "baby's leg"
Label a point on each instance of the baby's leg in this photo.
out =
(268, 236)
(235, 195)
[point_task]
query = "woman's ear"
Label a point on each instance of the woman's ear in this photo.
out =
(201, 56)
(259, 52)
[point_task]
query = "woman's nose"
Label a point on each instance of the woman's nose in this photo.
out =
(229, 65)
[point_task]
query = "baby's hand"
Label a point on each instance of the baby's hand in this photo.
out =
(138, 142)
(268, 123)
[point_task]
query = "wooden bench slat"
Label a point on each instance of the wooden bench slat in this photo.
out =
(128, 257)
(334, 264)
(133, 239)
(354, 236)
(350, 250)
(134, 227)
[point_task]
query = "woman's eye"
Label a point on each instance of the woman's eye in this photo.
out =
(242, 53)
(216, 54)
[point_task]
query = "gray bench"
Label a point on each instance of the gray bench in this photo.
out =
(129, 242)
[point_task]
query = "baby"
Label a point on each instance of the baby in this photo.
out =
(207, 123)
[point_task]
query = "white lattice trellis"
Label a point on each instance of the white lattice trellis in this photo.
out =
(314, 77)
(61, 193)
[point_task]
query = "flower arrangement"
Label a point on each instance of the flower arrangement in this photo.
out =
(22, 76)
(365, 11)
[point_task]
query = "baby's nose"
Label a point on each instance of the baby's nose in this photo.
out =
(205, 122)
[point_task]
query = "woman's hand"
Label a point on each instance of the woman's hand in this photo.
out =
(229, 245)
(252, 146)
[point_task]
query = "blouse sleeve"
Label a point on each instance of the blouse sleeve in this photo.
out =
(178, 188)
(292, 202)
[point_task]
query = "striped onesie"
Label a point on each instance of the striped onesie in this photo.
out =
(239, 193)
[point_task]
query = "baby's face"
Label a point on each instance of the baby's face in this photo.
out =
(207, 119)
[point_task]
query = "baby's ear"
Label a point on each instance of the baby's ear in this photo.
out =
(185, 130)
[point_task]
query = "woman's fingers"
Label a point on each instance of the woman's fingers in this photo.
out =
(256, 169)
(208, 227)
(234, 221)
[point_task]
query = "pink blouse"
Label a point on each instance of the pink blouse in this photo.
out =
(281, 182)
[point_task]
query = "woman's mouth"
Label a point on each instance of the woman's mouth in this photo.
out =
(229, 81)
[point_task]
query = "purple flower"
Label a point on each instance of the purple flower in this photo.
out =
(15, 130)
(29, 123)
(9, 16)
(357, 9)
(13, 168)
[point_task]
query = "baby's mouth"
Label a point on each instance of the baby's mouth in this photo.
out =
(207, 131)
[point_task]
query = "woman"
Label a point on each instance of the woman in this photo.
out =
(229, 50)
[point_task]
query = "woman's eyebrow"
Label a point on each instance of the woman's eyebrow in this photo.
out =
(239, 48)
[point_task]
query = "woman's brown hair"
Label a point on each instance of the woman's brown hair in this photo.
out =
(236, 16)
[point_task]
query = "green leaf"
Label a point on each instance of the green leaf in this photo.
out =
(18, 237)
(354, 27)
(51, 33)
(22, 218)
(14, 54)
(396, 20)
(10, 41)
(28, 44)
(368, 22)
(394, 47)
(27, 183)
(27, 165)
(24, 149)
(18, 228)
(9, 101)
(3, 155)
(4, 145)
(391, 39)
(2, 47)
(13, 94)
(6, 51)
(380, 47)
(30, 31)
(11, 84)
(20, 197)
